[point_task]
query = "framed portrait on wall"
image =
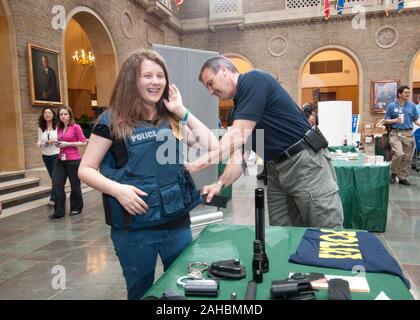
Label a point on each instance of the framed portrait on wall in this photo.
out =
(44, 76)
(382, 94)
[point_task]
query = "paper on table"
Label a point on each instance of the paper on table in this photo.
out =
(382, 296)
(356, 283)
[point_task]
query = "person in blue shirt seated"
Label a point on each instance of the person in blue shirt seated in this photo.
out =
(400, 115)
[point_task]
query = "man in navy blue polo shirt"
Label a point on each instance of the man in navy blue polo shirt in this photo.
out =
(401, 114)
(302, 188)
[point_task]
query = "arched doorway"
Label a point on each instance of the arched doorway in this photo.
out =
(89, 85)
(243, 65)
(331, 73)
(11, 142)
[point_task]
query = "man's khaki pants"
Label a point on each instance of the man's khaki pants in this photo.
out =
(302, 191)
(402, 144)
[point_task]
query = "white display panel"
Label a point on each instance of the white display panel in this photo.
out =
(335, 121)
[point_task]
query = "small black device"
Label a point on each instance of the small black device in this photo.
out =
(227, 269)
(313, 276)
(251, 290)
(257, 260)
(315, 139)
(260, 226)
(216, 201)
(290, 289)
(202, 288)
(339, 289)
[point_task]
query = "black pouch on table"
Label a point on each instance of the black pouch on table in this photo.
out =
(227, 269)
(315, 139)
(339, 289)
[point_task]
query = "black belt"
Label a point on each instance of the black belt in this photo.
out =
(290, 152)
(396, 129)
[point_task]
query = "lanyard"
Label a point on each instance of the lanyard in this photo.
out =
(64, 133)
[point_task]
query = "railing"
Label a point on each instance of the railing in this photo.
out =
(302, 4)
(230, 13)
(225, 9)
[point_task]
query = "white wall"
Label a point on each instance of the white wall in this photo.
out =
(335, 121)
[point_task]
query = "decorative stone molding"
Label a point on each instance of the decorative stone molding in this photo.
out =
(277, 46)
(127, 24)
(386, 37)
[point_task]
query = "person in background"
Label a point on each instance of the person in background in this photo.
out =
(70, 137)
(401, 114)
(417, 102)
(47, 142)
(302, 188)
(147, 199)
(308, 110)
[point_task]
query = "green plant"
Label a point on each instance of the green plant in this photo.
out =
(86, 123)
(84, 120)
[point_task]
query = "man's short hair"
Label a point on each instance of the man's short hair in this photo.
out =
(214, 65)
(401, 88)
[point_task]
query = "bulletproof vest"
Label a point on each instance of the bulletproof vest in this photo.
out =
(155, 166)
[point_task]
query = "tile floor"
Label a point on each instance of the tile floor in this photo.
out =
(31, 245)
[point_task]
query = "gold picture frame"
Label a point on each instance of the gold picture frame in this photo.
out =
(382, 94)
(44, 76)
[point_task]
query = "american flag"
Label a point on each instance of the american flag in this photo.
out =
(400, 6)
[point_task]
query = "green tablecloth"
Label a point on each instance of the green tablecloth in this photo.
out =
(222, 242)
(342, 148)
(364, 193)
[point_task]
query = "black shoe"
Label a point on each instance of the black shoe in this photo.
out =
(404, 182)
(393, 178)
(53, 216)
(260, 176)
(74, 212)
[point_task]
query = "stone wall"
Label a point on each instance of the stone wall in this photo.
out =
(300, 40)
(32, 24)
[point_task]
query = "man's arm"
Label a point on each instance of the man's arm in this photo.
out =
(198, 135)
(230, 143)
(232, 172)
(392, 121)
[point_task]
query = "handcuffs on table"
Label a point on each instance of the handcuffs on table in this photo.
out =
(195, 284)
(193, 273)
